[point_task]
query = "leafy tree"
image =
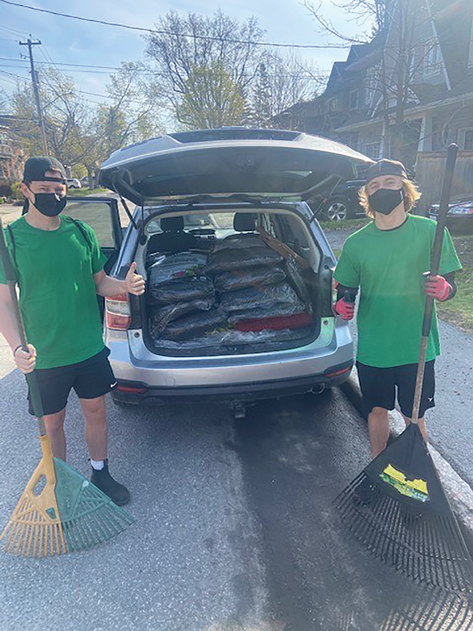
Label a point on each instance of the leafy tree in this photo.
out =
(211, 98)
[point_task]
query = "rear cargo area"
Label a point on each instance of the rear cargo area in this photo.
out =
(229, 283)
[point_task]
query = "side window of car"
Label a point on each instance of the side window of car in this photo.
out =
(97, 216)
(268, 224)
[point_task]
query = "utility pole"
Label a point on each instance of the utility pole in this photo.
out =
(34, 77)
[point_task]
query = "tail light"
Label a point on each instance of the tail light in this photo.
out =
(117, 310)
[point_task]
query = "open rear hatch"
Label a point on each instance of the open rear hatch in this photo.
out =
(224, 162)
(230, 292)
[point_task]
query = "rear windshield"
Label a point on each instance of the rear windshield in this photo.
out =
(218, 225)
(221, 223)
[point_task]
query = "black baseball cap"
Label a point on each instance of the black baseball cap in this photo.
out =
(36, 168)
(386, 167)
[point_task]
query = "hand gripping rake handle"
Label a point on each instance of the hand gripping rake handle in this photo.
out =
(452, 152)
(10, 275)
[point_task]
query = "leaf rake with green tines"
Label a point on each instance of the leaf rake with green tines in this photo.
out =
(397, 507)
(60, 510)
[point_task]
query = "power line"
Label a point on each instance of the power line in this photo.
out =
(61, 63)
(12, 30)
(164, 32)
(305, 73)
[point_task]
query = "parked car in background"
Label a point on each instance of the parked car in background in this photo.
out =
(342, 203)
(214, 192)
(460, 213)
(73, 182)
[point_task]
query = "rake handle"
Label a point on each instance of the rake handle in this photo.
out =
(452, 153)
(31, 378)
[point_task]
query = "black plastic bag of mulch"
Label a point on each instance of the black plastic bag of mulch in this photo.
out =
(241, 258)
(259, 298)
(194, 325)
(241, 279)
(162, 316)
(176, 266)
(181, 290)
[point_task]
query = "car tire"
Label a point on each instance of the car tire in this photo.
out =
(337, 209)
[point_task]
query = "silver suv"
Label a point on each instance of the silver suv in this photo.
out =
(239, 273)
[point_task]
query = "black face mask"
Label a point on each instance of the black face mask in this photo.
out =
(49, 204)
(385, 200)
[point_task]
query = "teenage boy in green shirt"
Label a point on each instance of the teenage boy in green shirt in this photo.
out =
(59, 266)
(388, 262)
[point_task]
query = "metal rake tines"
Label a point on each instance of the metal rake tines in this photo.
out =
(426, 547)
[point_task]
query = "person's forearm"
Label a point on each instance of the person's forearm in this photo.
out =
(8, 326)
(109, 287)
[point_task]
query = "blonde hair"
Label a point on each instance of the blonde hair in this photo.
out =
(411, 196)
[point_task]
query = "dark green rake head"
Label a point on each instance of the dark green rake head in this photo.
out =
(88, 516)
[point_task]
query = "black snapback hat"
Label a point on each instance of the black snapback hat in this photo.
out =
(386, 167)
(36, 168)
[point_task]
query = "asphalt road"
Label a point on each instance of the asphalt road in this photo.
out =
(234, 529)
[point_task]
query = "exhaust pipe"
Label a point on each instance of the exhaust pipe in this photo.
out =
(318, 389)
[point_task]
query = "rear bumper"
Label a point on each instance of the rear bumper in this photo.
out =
(137, 393)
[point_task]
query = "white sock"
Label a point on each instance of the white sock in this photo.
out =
(98, 465)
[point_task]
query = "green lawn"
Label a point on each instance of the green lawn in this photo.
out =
(85, 192)
(349, 224)
(459, 310)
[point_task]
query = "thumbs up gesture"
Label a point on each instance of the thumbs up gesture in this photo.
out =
(135, 283)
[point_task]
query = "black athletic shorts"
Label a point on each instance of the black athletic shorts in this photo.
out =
(379, 385)
(90, 379)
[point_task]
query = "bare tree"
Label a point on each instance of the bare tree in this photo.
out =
(185, 43)
(396, 24)
(64, 113)
(280, 82)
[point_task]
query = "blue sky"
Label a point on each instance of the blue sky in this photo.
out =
(71, 41)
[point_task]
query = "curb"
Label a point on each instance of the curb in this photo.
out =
(458, 492)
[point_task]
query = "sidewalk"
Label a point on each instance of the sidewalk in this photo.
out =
(9, 213)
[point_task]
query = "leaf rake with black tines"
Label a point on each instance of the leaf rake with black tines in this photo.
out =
(414, 531)
(396, 507)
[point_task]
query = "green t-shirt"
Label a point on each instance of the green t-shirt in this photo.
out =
(57, 290)
(387, 266)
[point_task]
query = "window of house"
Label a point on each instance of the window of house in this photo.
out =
(371, 80)
(332, 105)
(468, 142)
(471, 46)
(372, 150)
(433, 62)
(354, 99)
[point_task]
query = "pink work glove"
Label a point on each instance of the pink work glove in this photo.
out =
(437, 287)
(345, 309)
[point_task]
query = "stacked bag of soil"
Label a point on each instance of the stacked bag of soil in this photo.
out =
(251, 281)
(182, 298)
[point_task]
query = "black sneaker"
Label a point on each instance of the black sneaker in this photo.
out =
(102, 479)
